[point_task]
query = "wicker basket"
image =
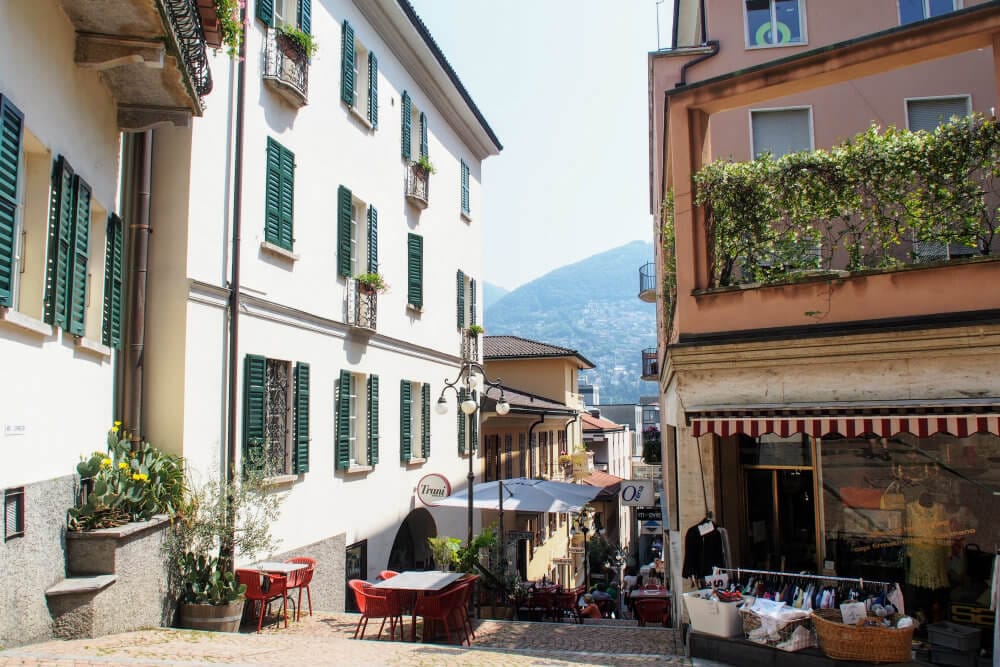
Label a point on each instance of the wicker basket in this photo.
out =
(751, 623)
(869, 644)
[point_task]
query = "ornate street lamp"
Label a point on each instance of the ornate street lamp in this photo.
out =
(472, 378)
(583, 525)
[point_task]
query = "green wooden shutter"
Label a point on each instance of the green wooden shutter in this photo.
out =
(415, 270)
(343, 428)
(265, 11)
(272, 193)
(425, 419)
(286, 201)
(460, 298)
(423, 134)
(372, 420)
(347, 82)
(61, 217)
(305, 16)
(300, 463)
(79, 255)
(465, 188)
(405, 421)
(462, 393)
(372, 240)
(373, 90)
(254, 411)
(344, 231)
(111, 332)
(472, 301)
(474, 427)
(11, 136)
(407, 111)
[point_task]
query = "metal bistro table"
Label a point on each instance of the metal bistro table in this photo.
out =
(278, 567)
(419, 582)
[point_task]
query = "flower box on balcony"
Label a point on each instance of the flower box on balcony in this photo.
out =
(286, 68)
(418, 185)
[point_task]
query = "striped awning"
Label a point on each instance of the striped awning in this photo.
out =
(878, 418)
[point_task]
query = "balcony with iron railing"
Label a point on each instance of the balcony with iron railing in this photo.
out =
(286, 68)
(361, 305)
(418, 183)
(470, 346)
(151, 55)
(650, 364)
(647, 282)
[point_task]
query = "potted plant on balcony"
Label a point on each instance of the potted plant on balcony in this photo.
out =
(303, 44)
(475, 330)
(424, 165)
(369, 283)
(201, 577)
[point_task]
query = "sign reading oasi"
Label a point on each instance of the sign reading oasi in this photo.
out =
(639, 493)
(433, 488)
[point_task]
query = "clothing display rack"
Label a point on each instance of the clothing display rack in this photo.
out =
(861, 581)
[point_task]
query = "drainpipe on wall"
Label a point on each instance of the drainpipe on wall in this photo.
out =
(531, 446)
(141, 159)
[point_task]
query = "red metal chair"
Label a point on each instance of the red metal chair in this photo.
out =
(653, 610)
(264, 594)
(374, 603)
(301, 579)
(462, 610)
(387, 574)
(442, 607)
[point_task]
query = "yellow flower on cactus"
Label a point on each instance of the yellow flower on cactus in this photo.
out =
(140, 477)
(118, 423)
(105, 462)
(122, 465)
(114, 429)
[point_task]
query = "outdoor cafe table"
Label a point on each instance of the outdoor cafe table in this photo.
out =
(419, 582)
(276, 567)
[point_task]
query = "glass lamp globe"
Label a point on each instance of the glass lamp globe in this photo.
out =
(475, 381)
(469, 406)
(503, 407)
(442, 406)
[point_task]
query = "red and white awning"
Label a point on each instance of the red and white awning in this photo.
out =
(882, 419)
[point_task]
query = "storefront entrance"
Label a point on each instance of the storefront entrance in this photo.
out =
(781, 516)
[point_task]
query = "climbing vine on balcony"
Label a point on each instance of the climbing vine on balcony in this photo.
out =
(861, 205)
(669, 260)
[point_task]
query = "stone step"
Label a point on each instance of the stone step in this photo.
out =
(81, 585)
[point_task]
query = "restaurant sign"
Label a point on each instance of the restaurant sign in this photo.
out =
(433, 488)
(648, 514)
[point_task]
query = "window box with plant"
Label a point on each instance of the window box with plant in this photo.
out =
(372, 282)
(221, 22)
(289, 51)
(418, 178)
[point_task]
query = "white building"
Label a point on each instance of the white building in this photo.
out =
(333, 386)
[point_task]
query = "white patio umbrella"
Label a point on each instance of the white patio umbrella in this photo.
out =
(525, 495)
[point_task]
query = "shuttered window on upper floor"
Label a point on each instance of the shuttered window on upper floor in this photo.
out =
(279, 196)
(358, 76)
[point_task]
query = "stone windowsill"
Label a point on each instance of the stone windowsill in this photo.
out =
(416, 461)
(91, 346)
(278, 251)
(416, 310)
(358, 469)
(360, 116)
(25, 322)
(280, 480)
(466, 216)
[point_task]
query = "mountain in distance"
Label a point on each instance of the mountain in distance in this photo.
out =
(492, 293)
(593, 307)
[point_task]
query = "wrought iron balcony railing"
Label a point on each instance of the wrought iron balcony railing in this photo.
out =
(185, 20)
(647, 282)
(650, 364)
(470, 346)
(286, 68)
(362, 305)
(418, 185)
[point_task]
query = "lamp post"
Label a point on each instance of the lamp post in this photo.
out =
(472, 378)
(583, 524)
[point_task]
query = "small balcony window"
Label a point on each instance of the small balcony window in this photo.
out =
(13, 505)
(417, 185)
(362, 305)
(286, 68)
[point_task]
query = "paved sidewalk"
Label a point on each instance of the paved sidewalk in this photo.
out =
(325, 639)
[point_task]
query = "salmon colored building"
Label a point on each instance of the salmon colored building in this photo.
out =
(845, 423)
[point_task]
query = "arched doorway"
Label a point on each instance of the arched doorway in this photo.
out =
(410, 550)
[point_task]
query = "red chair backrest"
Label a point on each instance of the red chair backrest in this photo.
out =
(387, 574)
(255, 591)
(301, 577)
(359, 586)
(651, 609)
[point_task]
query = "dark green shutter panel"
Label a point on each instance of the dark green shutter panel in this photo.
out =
(300, 463)
(407, 113)
(474, 427)
(372, 420)
(372, 240)
(472, 300)
(373, 90)
(462, 393)
(465, 187)
(305, 16)
(347, 81)
(460, 300)
(286, 202)
(405, 421)
(415, 270)
(265, 11)
(11, 134)
(79, 254)
(343, 231)
(61, 219)
(272, 193)
(111, 333)
(343, 412)
(254, 406)
(425, 419)
(423, 134)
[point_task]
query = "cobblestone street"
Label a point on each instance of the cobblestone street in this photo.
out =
(325, 639)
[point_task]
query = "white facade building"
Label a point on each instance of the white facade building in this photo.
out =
(334, 387)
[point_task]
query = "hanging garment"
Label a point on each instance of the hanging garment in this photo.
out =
(702, 549)
(927, 551)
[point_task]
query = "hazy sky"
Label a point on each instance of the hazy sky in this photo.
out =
(563, 83)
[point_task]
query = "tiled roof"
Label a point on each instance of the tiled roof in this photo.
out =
(526, 402)
(515, 347)
(592, 423)
(601, 479)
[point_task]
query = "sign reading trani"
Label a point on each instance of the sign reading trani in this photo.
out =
(433, 488)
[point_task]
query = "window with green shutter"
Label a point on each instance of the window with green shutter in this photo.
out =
(372, 240)
(415, 270)
(425, 423)
(11, 137)
(407, 120)
(373, 438)
(405, 421)
(373, 90)
(423, 134)
(465, 188)
(344, 212)
(347, 81)
(279, 194)
(460, 298)
(342, 410)
(114, 267)
(254, 405)
(265, 11)
(300, 454)
(62, 219)
(462, 418)
(78, 257)
(472, 301)
(305, 16)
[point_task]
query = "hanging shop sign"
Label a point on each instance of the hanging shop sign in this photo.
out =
(433, 488)
(638, 493)
(650, 527)
(649, 514)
